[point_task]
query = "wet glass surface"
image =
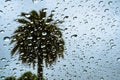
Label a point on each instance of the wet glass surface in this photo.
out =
(91, 32)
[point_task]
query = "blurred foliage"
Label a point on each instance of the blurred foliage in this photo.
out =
(25, 76)
(28, 76)
(10, 78)
(38, 39)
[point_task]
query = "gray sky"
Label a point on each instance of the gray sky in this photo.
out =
(94, 54)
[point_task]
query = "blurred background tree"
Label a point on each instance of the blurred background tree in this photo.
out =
(38, 40)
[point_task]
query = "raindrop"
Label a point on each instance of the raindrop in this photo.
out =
(14, 69)
(98, 38)
(91, 57)
(3, 59)
(4, 45)
(2, 31)
(118, 59)
(7, 0)
(65, 9)
(44, 33)
(2, 77)
(111, 41)
(6, 38)
(101, 78)
(27, 15)
(66, 17)
(106, 10)
(42, 46)
(6, 65)
(75, 17)
(1, 11)
(113, 46)
(112, 26)
(110, 2)
(17, 63)
(29, 44)
(21, 69)
(29, 37)
(103, 29)
(8, 24)
(100, 2)
(84, 70)
(93, 28)
(75, 35)
(35, 1)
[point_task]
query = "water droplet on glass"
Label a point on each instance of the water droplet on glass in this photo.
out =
(44, 33)
(6, 65)
(3, 59)
(4, 45)
(6, 38)
(66, 17)
(93, 28)
(113, 46)
(91, 57)
(7, 0)
(35, 1)
(29, 44)
(75, 35)
(98, 38)
(27, 15)
(84, 70)
(100, 2)
(103, 29)
(1, 11)
(110, 2)
(29, 37)
(106, 10)
(17, 63)
(75, 17)
(2, 77)
(14, 69)
(118, 59)
(42, 46)
(101, 78)
(2, 31)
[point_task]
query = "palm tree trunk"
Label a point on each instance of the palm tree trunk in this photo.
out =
(40, 68)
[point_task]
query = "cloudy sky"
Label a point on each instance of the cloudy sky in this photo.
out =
(91, 32)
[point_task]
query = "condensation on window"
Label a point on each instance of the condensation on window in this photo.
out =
(91, 33)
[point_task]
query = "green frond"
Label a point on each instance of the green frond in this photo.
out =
(23, 14)
(50, 19)
(14, 50)
(34, 13)
(58, 21)
(20, 29)
(12, 41)
(23, 21)
(42, 14)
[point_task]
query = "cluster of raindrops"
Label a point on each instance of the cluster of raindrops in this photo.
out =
(91, 33)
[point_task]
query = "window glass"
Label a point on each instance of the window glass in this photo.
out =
(91, 32)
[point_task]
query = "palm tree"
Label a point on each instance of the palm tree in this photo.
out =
(28, 76)
(10, 78)
(37, 40)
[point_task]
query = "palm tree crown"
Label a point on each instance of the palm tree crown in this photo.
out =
(37, 37)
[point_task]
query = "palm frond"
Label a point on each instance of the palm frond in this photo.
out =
(23, 21)
(14, 50)
(50, 19)
(34, 13)
(12, 41)
(42, 14)
(23, 14)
